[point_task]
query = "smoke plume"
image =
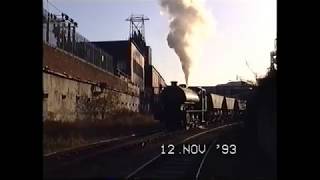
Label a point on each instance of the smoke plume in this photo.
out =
(190, 24)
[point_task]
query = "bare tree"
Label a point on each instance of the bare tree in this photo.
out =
(99, 107)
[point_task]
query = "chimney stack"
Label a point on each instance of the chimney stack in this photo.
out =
(174, 83)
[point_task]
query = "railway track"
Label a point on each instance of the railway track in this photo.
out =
(114, 159)
(70, 156)
(178, 165)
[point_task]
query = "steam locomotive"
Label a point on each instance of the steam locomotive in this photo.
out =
(190, 107)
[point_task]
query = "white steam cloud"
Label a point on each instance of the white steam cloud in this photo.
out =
(190, 25)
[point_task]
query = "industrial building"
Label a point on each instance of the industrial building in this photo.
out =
(130, 60)
(76, 71)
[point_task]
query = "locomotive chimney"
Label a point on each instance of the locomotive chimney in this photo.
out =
(174, 83)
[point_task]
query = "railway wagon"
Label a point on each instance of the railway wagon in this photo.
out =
(183, 107)
(216, 103)
(242, 104)
(232, 111)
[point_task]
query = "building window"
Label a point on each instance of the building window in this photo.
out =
(63, 96)
(45, 95)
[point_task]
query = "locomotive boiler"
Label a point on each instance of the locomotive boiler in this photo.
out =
(180, 106)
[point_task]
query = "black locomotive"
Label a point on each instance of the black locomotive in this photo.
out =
(184, 107)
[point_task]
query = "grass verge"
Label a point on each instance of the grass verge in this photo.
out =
(61, 135)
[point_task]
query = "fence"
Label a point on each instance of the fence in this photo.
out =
(59, 31)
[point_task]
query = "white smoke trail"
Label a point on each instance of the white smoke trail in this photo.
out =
(190, 24)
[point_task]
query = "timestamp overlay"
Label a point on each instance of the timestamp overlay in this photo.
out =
(187, 159)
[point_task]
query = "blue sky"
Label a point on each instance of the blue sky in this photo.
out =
(244, 30)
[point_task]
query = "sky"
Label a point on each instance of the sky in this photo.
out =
(245, 30)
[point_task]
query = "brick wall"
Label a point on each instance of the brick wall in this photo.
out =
(63, 62)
